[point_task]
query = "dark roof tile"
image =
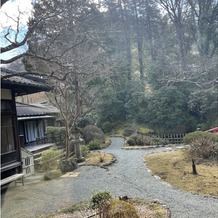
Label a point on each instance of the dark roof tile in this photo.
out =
(22, 83)
(32, 110)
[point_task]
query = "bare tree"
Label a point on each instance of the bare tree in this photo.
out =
(16, 37)
(71, 47)
(127, 35)
(176, 12)
(203, 25)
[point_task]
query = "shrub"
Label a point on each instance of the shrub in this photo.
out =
(84, 150)
(56, 132)
(138, 139)
(214, 153)
(204, 148)
(92, 132)
(49, 159)
(145, 140)
(51, 130)
(85, 121)
(128, 131)
(121, 209)
(61, 131)
(131, 142)
(158, 141)
(52, 175)
(107, 127)
(109, 207)
(100, 198)
(67, 165)
(189, 138)
(101, 201)
(93, 145)
(144, 130)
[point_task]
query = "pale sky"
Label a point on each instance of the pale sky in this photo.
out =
(10, 12)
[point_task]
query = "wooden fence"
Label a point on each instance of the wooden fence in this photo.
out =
(175, 138)
(171, 138)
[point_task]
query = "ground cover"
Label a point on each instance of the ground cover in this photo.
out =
(99, 158)
(144, 209)
(123, 127)
(176, 168)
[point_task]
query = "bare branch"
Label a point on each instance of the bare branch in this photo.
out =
(73, 46)
(16, 44)
(30, 30)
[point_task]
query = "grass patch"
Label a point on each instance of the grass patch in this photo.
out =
(98, 158)
(149, 209)
(119, 129)
(176, 169)
(107, 143)
(144, 130)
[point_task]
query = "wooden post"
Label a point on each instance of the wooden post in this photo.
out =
(21, 141)
(194, 171)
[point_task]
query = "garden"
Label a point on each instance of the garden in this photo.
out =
(174, 167)
(194, 169)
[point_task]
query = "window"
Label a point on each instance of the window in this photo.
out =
(7, 134)
(6, 106)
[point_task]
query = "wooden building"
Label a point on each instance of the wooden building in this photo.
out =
(33, 120)
(12, 86)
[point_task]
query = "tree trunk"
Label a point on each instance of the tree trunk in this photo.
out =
(182, 50)
(77, 147)
(194, 171)
(77, 96)
(149, 30)
(67, 141)
(139, 45)
(127, 40)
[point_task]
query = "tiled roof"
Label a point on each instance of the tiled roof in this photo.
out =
(22, 83)
(51, 109)
(24, 110)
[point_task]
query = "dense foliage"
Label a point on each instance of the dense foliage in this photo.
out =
(153, 62)
(143, 140)
(109, 207)
(193, 136)
(91, 133)
(49, 159)
(56, 132)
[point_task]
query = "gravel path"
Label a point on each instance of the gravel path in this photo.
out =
(127, 176)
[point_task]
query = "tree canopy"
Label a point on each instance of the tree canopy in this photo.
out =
(154, 62)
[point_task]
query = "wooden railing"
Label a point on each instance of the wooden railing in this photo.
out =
(171, 138)
(175, 138)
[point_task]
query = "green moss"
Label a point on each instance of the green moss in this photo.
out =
(121, 209)
(52, 175)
